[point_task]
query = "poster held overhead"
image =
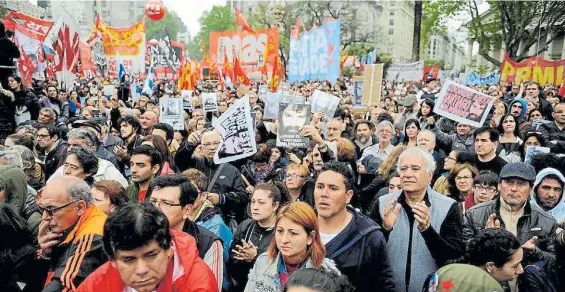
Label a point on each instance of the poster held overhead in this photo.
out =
(272, 101)
(237, 131)
(172, 113)
(463, 104)
(186, 99)
(372, 83)
(291, 119)
(210, 102)
(406, 72)
(324, 101)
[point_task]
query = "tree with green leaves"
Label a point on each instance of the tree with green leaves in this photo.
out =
(219, 18)
(167, 26)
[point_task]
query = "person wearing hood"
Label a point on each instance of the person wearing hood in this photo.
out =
(14, 187)
(518, 108)
(554, 134)
(548, 193)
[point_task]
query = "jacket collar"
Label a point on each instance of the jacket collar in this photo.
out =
(91, 222)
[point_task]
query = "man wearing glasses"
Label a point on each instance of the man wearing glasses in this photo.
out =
(70, 233)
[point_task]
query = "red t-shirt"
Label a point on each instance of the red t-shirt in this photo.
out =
(141, 196)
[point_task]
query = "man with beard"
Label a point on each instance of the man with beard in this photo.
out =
(129, 130)
(54, 148)
(146, 164)
(548, 193)
(225, 189)
(518, 108)
(363, 137)
(52, 101)
(294, 116)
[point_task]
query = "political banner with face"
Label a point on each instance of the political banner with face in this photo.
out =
(237, 131)
(171, 112)
(166, 56)
(463, 104)
(326, 102)
(272, 101)
(407, 72)
(315, 54)
(210, 102)
(474, 78)
(186, 99)
(292, 117)
(358, 91)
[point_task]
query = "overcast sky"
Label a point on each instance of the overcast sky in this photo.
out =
(190, 10)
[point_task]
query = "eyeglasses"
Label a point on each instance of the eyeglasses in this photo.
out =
(211, 144)
(450, 158)
(50, 211)
(463, 177)
(42, 136)
(166, 205)
(293, 176)
(484, 189)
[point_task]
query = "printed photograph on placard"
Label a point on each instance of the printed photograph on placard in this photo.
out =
(186, 99)
(210, 102)
(291, 119)
(172, 112)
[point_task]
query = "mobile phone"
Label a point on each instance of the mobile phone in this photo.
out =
(96, 113)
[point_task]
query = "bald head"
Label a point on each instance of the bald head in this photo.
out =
(75, 188)
(148, 120)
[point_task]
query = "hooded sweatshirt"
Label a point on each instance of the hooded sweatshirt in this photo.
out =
(13, 180)
(523, 125)
(558, 212)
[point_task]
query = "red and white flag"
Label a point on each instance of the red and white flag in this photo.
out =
(66, 49)
(25, 66)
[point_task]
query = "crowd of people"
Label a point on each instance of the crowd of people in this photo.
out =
(96, 194)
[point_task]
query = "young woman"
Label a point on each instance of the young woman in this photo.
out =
(254, 235)
(297, 245)
(108, 195)
(460, 180)
(535, 115)
(510, 142)
(426, 111)
(496, 251)
(531, 139)
(27, 104)
(411, 130)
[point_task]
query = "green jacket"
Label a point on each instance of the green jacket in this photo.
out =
(132, 192)
(13, 180)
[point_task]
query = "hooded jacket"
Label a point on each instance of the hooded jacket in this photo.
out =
(359, 252)
(106, 171)
(523, 125)
(13, 180)
(189, 272)
(558, 212)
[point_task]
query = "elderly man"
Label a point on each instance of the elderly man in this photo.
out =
(513, 211)
(423, 226)
(70, 234)
(226, 188)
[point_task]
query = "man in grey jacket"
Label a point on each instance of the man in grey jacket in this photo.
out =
(462, 140)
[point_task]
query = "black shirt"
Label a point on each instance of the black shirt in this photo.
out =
(495, 165)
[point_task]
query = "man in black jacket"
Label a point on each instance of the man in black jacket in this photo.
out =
(226, 191)
(554, 133)
(352, 240)
(535, 229)
(9, 52)
(55, 149)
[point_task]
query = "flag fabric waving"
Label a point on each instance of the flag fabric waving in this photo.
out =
(121, 67)
(25, 66)
(148, 86)
(66, 48)
(275, 76)
(206, 58)
(228, 69)
(239, 74)
(265, 58)
(240, 20)
(296, 30)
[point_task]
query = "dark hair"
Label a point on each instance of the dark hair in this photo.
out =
(319, 280)
(454, 192)
(113, 190)
(392, 175)
(168, 129)
(409, 122)
(343, 169)
(274, 191)
(87, 160)
(500, 127)
(133, 226)
(366, 122)
(15, 233)
(134, 123)
(51, 85)
(530, 114)
(24, 140)
(494, 135)
(188, 192)
(154, 155)
(491, 245)
(464, 156)
(431, 103)
(52, 130)
(263, 154)
(486, 177)
(160, 145)
(549, 176)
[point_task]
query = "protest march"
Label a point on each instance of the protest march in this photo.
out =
(281, 151)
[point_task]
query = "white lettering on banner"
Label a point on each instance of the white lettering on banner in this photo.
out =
(38, 27)
(319, 42)
(248, 49)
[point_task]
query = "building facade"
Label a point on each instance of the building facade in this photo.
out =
(444, 47)
(23, 6)
(397, 23)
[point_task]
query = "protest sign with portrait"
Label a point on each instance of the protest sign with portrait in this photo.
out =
(463, 104)
(237, 131)
(324, 101)
(171, 112)
(210, 102)
(292, 117)
(272, 101)
(186, 99)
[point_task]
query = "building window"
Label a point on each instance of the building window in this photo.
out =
(390, 31)
(392, 13)
(103, 3)
(104, 13)
(391, 22)
(392, 3)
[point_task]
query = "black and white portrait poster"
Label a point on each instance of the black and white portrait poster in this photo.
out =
(172, 113)
(272, 101)
(291, 119)
(210, 102)
(238, 133)
(324, 101)
(163, 54)
(186, 99)
(284, 88)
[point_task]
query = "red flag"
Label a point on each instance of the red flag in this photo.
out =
(342, 61)
(240, 20)
(296, 30)
(562, 89)
(206, 59)
(221, 79)
(228, 69)
(25, 66)
(275, 77)
(239, 74)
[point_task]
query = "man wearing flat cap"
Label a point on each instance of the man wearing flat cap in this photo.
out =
(535, 229)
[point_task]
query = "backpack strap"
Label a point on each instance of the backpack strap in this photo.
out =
(353, 241)
(215, 177)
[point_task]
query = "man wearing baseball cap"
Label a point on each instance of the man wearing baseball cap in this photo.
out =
(535, 229)
(410, 104)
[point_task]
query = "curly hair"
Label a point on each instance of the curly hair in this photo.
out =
(495, 245)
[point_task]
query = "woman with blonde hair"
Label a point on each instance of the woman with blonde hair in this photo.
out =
(297, 245)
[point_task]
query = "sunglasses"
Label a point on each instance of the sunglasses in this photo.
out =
(50, 211)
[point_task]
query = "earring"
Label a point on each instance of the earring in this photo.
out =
(489, 271)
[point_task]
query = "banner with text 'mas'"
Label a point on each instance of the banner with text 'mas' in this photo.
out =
(315, 54)
(532, 69)
(248, 47)
(129, 42)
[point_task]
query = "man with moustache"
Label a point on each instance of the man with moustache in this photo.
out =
(518, 108)
(548, 193)
(293, 118)
(363, 137)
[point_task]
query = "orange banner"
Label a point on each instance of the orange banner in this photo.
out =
(532, 69)
(248, 47)
(88, 67)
